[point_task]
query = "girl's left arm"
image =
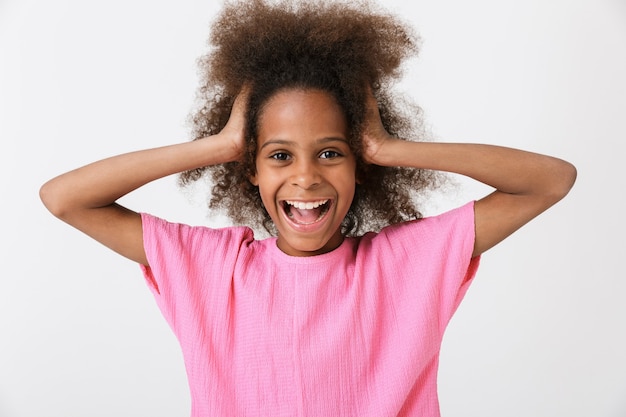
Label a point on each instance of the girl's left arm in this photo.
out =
(526, 183)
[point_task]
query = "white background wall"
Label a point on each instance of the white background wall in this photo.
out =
(542, 331)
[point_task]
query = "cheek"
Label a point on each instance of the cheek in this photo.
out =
(267, 189)
(348, 189)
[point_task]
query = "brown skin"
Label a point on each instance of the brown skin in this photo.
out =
(303, 156)
(336, 46)
(85, 197)
(526, 183)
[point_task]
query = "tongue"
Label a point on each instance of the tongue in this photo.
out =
(305, 216)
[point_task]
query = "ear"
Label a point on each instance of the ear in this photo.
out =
(358, 176)
(253, 180)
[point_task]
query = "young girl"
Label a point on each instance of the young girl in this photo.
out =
(342, 312)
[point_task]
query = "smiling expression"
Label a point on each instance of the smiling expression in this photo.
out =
(305, 169)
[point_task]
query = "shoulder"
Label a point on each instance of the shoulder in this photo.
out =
(150, 221)
(430, 242)
(454, 223)
(158, 232)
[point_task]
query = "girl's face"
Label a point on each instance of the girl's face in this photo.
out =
(305, 170)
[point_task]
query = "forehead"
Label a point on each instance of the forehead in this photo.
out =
(311, 97)
(307, 110)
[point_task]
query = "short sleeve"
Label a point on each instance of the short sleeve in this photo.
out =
(434, 255)
(189, 266)
(457, 248)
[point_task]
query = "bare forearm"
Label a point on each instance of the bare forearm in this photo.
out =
(526, 183)
(508, 170)
(103, 182)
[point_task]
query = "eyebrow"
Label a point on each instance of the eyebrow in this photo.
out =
(293, 142)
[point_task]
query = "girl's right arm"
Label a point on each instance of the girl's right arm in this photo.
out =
(86, 197)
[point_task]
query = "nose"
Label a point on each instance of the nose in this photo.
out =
(305, 175)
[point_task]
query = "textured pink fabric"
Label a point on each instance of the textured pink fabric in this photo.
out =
(354, 332)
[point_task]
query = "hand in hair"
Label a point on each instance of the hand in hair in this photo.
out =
(374, 136)
(234, 131)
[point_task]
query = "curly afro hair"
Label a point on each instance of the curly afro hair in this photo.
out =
(340, 48)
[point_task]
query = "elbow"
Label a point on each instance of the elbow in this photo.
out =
(564, 180)
(52, 200)
(569, 177)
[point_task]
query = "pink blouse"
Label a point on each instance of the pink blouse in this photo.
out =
(353, 332)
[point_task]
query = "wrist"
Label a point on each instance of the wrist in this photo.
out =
(225, 148)
(387, 152)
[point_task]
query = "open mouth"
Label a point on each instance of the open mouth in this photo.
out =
(306, 212)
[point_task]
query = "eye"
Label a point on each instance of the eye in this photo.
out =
(280, 156)
(329, 154)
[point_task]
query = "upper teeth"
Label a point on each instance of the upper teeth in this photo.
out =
(306, 205)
